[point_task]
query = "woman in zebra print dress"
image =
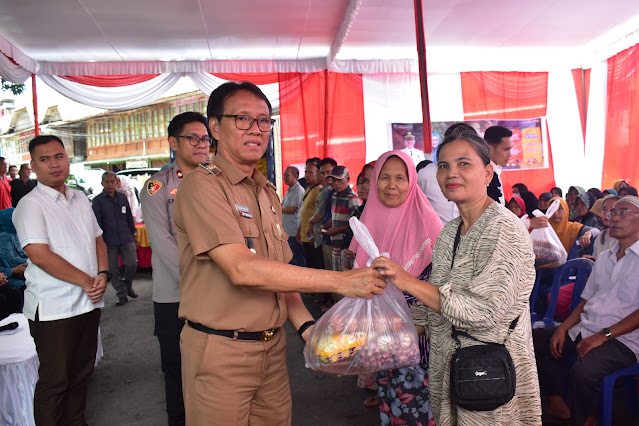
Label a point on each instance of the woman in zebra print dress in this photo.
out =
(481, 291)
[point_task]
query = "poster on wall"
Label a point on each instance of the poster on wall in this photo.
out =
(530, 144)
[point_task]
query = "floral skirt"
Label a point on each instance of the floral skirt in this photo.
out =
(404, 397)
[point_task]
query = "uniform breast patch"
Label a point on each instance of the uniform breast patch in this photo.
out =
(153, 186)
(244, 211)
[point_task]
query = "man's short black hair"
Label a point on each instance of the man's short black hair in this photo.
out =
(215, 107)
(494, 134)
(176, 126)
(14, 166)
(328, 160)
(41, 140)
(422, 164)
(314, 160)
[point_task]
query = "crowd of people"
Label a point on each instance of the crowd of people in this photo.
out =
(230, 260)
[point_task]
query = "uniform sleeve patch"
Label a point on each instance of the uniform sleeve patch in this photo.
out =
(153, 186)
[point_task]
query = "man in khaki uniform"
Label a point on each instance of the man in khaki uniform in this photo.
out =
(189, 139)
(236, 289)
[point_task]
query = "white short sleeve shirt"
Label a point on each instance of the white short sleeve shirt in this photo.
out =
(612, 292)
(65, 223)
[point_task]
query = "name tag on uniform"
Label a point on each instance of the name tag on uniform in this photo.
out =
(244, 211)
(123, 209)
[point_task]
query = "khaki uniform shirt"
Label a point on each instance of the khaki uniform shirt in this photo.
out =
(157, 200)
(221, 205)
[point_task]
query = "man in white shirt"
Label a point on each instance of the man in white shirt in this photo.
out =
(66, 277)
(291, 206)
(603, 329)
(415, 154)
(499, 140)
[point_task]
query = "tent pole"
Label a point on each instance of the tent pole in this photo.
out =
(325, 113)
(36, 125)
(421, 53)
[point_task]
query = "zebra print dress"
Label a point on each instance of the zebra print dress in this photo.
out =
(487, 288)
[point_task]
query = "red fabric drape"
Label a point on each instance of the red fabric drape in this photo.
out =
(109, 80)
(305, 105)
(622, 131)
(582, 89)
(510, 96)
(255, 78)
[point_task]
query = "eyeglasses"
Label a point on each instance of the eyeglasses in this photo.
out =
(621, 213)
(245, 122)
(195, 140)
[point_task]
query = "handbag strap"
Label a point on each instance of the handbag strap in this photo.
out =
(456, 333)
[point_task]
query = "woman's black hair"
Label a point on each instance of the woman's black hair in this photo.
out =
(478, 144)
(531, 202)
(596, 192)
(629, 190)
(558, 189)
(521, 187)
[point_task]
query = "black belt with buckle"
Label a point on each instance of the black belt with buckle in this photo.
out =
(260, 336)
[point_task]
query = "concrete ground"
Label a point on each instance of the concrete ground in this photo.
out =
(127, 386)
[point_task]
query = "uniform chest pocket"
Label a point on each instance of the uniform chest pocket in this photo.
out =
(248, 228)
(279, 233)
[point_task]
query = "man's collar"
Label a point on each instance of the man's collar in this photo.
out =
(234, 174)
(496, 167)
(53, 193)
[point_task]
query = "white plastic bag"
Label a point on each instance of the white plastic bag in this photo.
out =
(546, 244)
(360, 336)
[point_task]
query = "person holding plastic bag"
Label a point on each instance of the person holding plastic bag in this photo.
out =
(570, 232)
(549, 250)
(481, 286)
(403, 223)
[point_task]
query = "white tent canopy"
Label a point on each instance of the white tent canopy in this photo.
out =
(91, 37)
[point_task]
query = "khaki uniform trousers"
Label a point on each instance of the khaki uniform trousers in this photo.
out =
(235, 382)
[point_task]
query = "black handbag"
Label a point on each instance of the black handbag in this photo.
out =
(482, 377)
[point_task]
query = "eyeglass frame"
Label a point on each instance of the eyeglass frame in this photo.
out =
(193, 138)
(621, 213)
(253, 120)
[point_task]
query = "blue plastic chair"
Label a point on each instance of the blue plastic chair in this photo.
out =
(576, 270)
(607, 386)
(538, 292)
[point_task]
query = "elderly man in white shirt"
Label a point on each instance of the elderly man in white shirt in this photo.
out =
(603, 329)
(66, 277)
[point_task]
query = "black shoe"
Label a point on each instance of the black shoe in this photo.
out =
(121, 301)
(132, 294)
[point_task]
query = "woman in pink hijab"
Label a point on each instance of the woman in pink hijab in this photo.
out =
(402, 223)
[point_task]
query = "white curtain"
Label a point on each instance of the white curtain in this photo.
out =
(12, 72)
(207, 82)
(596, 127)
(396, 98)
(116, 98)
(565, 132)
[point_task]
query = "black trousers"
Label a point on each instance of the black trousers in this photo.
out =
(167, 329)
(584, 375)
(314, 256)
(66, 349)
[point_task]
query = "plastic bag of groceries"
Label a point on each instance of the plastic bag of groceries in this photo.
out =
(546, 244)
(360, 336)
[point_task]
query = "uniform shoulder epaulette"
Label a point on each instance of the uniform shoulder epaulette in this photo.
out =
(270, 185)
(211, 168)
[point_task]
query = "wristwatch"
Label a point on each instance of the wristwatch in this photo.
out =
(606, 332)
(107, 273)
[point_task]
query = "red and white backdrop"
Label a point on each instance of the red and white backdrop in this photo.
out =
(590, 114)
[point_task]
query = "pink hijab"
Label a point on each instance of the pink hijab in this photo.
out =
(403, 231)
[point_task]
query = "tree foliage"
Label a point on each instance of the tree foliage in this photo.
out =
(16, 89)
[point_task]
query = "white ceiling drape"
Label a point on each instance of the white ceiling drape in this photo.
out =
(207, 82)
(12, 72)
(116, 98)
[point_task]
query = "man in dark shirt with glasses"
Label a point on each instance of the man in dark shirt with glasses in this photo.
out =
(113, 214)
